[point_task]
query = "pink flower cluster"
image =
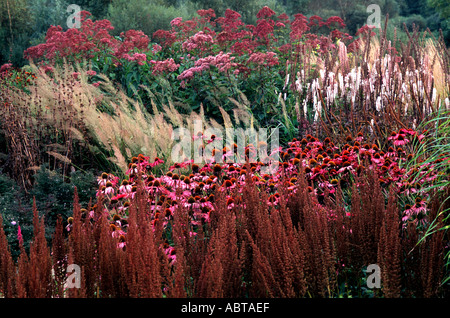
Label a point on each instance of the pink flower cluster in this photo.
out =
(83, 43)
(140, 58)
(156, 48)
(132, 40)
(223, 61)
(5, 67)
(264, 59)
(165, 66)
(199, 41)
(298, 27)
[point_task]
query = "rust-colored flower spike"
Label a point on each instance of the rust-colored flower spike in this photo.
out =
(227, 183)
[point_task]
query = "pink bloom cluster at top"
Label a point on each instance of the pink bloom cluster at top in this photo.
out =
(140, 58)
(5, 67)
(223, 61)
(91, 38)
(165, 66)
(264, 59)
(265, 13)
(198, 41)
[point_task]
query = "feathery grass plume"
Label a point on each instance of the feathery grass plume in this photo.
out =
(142, 261)
(73, 109)
(40, 264)
(7, 266)
(111, 262)
(82, 252)
(59, 260)
(389, 250)
(367, 208)
(179, 280)
(222, 269)
(432, 244)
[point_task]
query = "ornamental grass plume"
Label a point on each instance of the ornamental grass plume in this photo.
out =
(80, 114)
(40, 263)
(221, 274)
(389, 250)
(7, 270)
(366, 212)
(59, 260)
(142, 258)
(432, 245)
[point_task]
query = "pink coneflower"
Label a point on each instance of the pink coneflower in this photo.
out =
(416, 213)
(103, 179)
(156, 162)
(125, 187)
(401, 140)
(181, 165)
(109, 190)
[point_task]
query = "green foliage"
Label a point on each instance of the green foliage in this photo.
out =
(14, 213)
(98, 8)
(15, 28)
(54, 196)
(46, 13)
(147, 16)
(441, 6)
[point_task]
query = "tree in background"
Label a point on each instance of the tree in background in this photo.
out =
(45, 13)
(15, 29)
(443, 9)
(98, 8)
(144, 15)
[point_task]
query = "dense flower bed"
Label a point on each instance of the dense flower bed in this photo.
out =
(325, 166)
(327, 209)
